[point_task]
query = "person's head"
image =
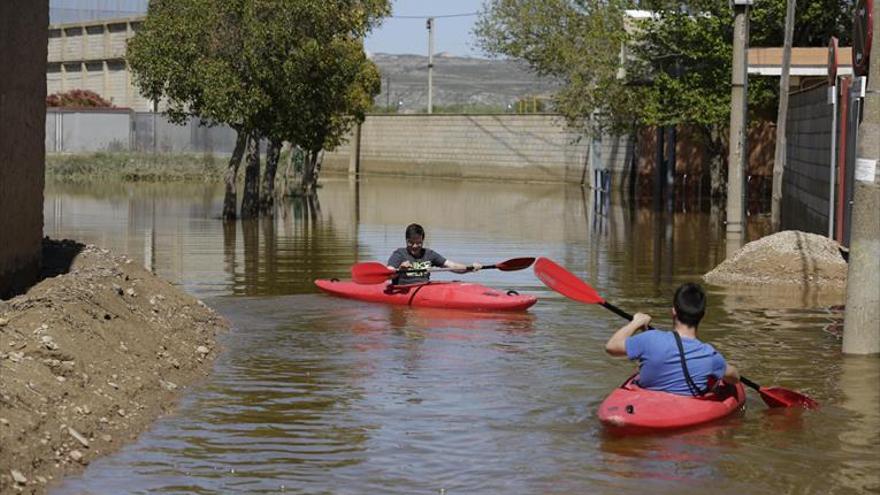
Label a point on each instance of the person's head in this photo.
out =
(689, 304)
(415, 238)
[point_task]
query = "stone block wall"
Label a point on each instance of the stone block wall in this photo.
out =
(534, 148)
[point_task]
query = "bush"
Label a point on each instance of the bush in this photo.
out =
(77, 98)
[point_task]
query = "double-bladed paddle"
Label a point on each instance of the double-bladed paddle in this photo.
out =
(373, 272)
(564, 282)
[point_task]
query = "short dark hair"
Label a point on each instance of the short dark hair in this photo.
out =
(413, 230)
(690, 304)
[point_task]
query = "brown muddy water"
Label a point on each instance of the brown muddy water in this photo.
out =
(321, 395)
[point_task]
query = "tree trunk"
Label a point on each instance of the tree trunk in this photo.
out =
(717, 170)
(250, 201)
(310, 172)
(230, 198)
(267, 190)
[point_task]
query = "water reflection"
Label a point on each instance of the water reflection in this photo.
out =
(858, 380)
(325, 395)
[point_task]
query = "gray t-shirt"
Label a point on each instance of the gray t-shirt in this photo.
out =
(418, 273)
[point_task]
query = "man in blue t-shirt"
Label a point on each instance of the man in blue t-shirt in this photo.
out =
(674, 361)
(416, 259)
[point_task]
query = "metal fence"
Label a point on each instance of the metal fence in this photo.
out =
(87, 130)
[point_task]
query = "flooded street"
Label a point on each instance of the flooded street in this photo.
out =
(315, 394)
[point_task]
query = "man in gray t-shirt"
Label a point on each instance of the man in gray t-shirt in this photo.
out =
(417, 259)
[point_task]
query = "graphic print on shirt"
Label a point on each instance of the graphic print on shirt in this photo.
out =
(418, 268)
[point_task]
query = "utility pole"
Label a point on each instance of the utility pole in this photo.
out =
(738, 101)
(861, 327)
(430, 25)
(781, 118)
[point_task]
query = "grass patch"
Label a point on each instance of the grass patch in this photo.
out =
(135, 167)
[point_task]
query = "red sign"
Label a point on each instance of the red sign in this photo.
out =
(862, 34)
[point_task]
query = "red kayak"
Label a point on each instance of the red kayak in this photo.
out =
(631, 408)
(447, 295)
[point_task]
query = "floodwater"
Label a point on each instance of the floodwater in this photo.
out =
(315, 394)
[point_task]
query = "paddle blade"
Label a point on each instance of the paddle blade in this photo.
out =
(782, 397)
(371, 272)
(565, 283)
(514, 264)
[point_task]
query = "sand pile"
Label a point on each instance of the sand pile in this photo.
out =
(89, 358)
(788, 258)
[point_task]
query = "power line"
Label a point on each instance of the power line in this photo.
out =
(433, 16)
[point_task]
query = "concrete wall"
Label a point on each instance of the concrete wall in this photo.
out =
(534, 147)
(23, 107)
(805, 188)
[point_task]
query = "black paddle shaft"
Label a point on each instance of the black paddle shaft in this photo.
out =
(616, 310)
(750, 383)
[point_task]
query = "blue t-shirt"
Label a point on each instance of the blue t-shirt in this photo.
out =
(660, 362)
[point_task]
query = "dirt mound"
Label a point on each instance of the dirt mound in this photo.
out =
(788, 258)
(89, 358)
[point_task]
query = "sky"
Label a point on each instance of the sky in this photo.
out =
(404, 35)
(396, 34)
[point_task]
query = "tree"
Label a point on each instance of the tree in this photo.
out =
(291, 70)
(573, 41)
(316, 74)
(677, 66)
(188, 54)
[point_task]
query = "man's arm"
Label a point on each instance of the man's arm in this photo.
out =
(397, 261)
(731, 374)
(460, 268)
(616, 345)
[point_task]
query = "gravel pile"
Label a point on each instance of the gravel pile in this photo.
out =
(89, 357)
(788, 258)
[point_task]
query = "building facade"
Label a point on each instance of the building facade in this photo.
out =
(91, 55)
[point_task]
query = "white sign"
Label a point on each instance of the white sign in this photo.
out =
(865, 169)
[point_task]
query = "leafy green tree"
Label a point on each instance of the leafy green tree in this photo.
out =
(574, 41)
(677, 64)
(187, 54)
(289, 70)
(316, 73)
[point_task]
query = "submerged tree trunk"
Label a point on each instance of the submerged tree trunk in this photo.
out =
(310, 171)
(267, 190)
(230, 198)
(717, 170)
(250, 201)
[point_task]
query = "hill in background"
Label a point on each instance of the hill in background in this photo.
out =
(473, 83)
